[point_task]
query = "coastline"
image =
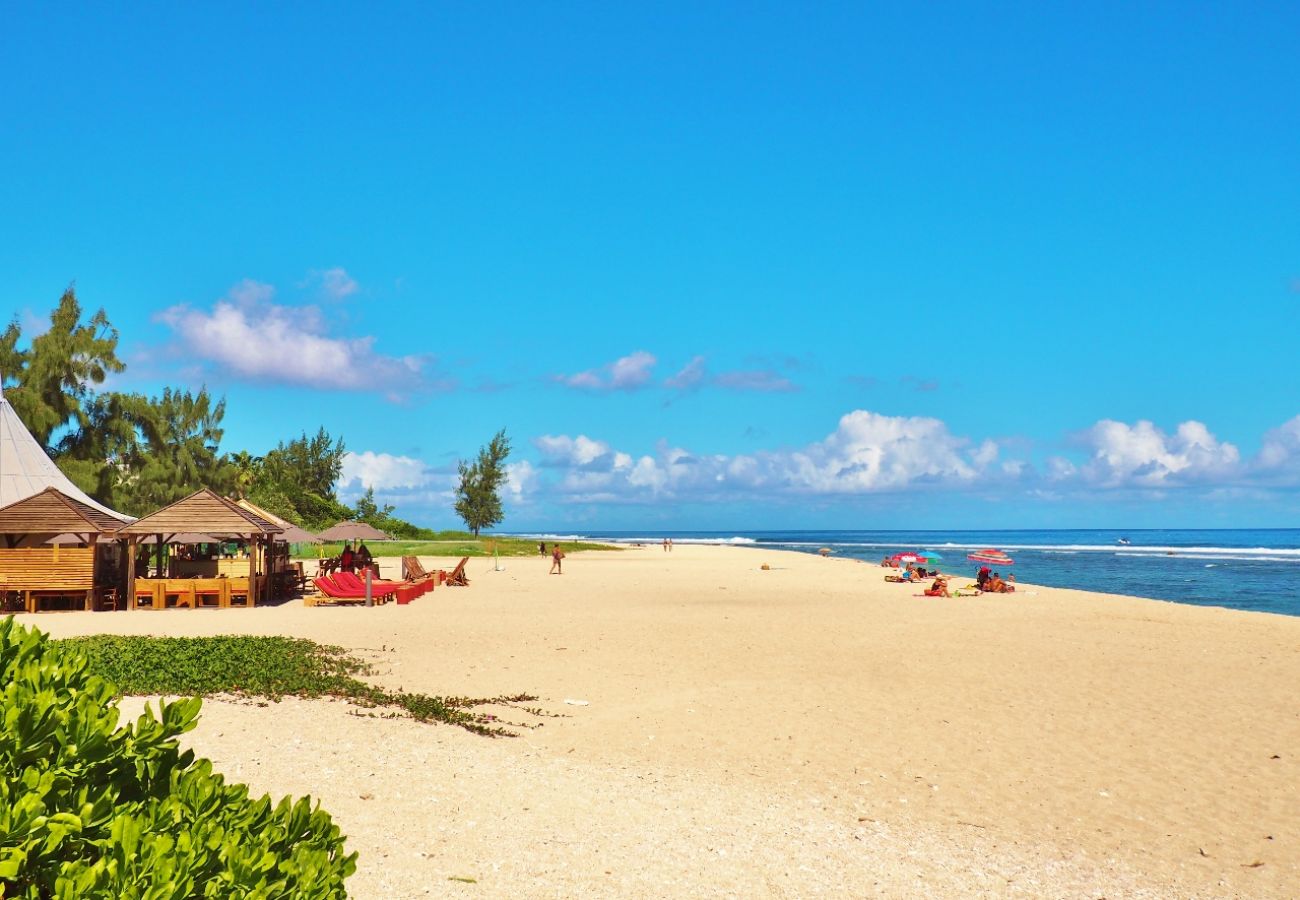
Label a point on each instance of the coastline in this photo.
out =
(805, 730)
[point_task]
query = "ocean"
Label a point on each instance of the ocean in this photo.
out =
(1236, 568)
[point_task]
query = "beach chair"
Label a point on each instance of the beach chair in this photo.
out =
(350, 581)
(413, 569)
(458, 578)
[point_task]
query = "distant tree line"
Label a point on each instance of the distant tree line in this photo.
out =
(136, 453)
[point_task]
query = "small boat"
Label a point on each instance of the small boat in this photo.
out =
(1125, 541)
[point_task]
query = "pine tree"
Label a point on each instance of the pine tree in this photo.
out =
(478, 493)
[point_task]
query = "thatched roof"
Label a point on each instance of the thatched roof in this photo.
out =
(53, 512)
(353, 531)
(205, 511)
(289, 533)
(26, 469)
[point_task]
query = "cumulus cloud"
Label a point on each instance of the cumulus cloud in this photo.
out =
(866, 453)
(521, 480)
(1278, 460)
(384, 471)
(1142, 455)
(627, 373)
(247, 335)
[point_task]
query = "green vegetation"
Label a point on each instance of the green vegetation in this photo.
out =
(136, 453)
(273, 668)
(89, 809)
(454, 543)
(478, 493)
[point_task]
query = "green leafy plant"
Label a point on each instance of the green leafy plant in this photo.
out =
(271, 667)
(91, 809)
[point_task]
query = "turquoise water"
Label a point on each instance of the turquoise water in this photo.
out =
(1236, 568)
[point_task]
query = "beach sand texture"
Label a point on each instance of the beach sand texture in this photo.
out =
(804, 731)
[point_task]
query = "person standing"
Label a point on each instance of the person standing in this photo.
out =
(670, 545)
(557, 557)
(347, 561)
(541, 549)
(665, 545)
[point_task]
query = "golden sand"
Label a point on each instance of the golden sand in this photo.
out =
(808, 730)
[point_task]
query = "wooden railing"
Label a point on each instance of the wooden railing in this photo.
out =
(47, 569)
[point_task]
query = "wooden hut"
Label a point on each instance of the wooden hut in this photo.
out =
(207, 512)
(82, 567)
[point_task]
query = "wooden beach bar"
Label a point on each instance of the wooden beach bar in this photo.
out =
(56, 549)
(231, 582)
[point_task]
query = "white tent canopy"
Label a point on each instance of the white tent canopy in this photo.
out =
(26, 469)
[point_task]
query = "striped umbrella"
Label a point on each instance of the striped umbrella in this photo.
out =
(992, 558)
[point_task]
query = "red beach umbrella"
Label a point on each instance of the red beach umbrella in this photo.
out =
(992, 557)
(908, 557)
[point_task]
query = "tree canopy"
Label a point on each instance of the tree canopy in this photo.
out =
(478, 493)
(137, 453)
(49, 383)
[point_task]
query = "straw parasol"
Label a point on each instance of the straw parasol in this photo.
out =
(352, 531)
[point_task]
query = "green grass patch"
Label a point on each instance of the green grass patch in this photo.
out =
(454, 543)
(274, 668)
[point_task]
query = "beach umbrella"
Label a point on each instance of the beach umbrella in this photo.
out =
(931, 556)
(908, 557)
(991, 557)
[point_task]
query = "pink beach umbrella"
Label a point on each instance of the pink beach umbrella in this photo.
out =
(992, 558)
(908, 557)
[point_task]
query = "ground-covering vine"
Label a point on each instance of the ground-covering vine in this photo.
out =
(273, 668)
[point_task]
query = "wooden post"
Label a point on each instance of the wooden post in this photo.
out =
(94, 560)
(158, 560)
(270, 567)
(252, 571)
(130, 572)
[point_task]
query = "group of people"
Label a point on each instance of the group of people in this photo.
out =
(909, 572)
(986, 580)
(350, 559)
(994, 583)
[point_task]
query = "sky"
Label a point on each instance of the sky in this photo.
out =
(711, 266)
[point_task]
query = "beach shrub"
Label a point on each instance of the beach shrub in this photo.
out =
(91, 809)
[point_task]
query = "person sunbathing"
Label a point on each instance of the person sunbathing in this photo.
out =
(938, 589)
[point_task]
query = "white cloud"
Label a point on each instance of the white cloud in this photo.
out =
(337, 283)
(691, 376)
(1279, 453)
(577, 452)
(695, 375)
(521, 480)
(627, 373)
(867, 453)
(870, 453)
(384, 471)
(247, 335)
(1142, 455)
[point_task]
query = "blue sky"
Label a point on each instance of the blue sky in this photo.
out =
(723, 266)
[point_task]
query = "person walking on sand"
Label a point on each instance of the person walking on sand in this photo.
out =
(665, 545)
(670, 545)
(541, 549)
(557, 555)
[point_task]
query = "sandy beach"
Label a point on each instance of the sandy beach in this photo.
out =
(808, 730)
